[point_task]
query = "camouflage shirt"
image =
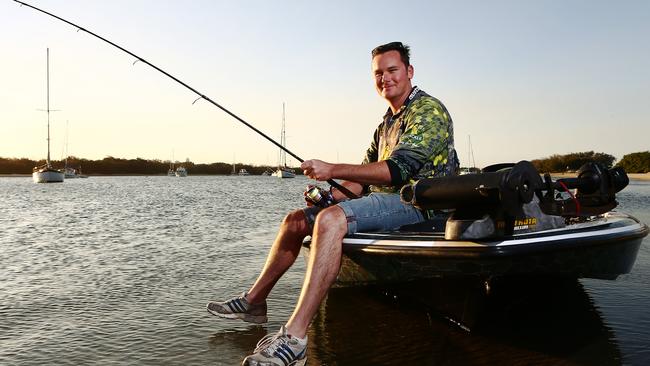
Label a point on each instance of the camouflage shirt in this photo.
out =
(417, 142)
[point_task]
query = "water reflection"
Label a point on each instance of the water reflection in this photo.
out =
(457, 323)
(230, 345)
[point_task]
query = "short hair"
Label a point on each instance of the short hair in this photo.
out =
(404, 51)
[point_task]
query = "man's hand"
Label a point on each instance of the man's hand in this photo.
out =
(317, 169)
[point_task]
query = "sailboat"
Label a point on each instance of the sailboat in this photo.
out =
(46, 173)
(171, 172)
(181, 171)
(69, 171)
(283, 170)
(470, 159)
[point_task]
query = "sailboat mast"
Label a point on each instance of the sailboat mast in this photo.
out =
(48, 107)
(471, 151)
(283, 141)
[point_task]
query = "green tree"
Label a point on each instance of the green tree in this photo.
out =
(572, 161)
(638, 162)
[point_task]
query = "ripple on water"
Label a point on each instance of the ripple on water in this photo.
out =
(117, 270)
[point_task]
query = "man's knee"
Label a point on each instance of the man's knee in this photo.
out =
(296, 222)
(332, 218)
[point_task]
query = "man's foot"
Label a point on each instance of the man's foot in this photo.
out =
(279, 349)
(239, 308)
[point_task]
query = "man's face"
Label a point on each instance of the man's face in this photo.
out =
(392, 77)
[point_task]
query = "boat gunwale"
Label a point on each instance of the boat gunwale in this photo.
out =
(507, 246)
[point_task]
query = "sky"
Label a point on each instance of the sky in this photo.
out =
(522, 79)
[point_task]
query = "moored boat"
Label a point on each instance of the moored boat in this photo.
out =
(283, 171)
(46, 173)
(518, 228)
(181, 172)
(71, 173)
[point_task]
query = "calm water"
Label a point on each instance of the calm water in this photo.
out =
(117, 270)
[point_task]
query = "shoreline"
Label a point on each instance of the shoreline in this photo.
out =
(632, 176)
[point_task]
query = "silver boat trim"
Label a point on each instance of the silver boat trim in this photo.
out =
(528, 239)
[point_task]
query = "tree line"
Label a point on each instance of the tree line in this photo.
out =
(117, 166)
(638, 162)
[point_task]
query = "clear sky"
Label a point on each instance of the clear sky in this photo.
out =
(526, 79)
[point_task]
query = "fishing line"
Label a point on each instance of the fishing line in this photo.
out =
(333, 183)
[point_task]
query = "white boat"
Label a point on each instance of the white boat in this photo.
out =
(243, 172)
(71, 173)
(181, 172)
(171, 172)
(470, 160)
(46, 173)
(283, 170)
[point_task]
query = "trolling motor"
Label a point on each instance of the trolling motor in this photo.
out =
(506, 198)
(596, 189)
(506, 189)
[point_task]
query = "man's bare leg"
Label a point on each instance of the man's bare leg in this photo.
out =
(283, 254)
(322, 268)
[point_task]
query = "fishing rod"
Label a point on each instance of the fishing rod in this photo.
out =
(332, 182)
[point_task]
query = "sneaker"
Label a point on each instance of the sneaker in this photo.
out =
(239, 308)
(279, 349)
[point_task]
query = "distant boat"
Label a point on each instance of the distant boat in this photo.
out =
(283, 170)
(46, 173)
(470, 158)
(243, 172)
(267, 173)
(171, 172)
(181, 172)
(71, 173)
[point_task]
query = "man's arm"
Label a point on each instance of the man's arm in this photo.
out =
(364, 174)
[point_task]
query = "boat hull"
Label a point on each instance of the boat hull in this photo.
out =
(284, 174)
(48, 176)
(604, 249)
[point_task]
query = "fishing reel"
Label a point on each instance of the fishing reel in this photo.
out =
(318, 196)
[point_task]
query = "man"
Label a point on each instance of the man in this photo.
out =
(414, 141)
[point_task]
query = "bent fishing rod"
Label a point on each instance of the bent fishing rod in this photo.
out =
(332, 182)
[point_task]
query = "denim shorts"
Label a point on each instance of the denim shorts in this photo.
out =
(374, 212)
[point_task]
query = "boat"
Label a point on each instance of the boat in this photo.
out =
(71, 173)
(243, 172)
(283, 171)
(181, 172)
(68, 171)
(171, 172)
(46, 173)
(470, 159)
(502, 223)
